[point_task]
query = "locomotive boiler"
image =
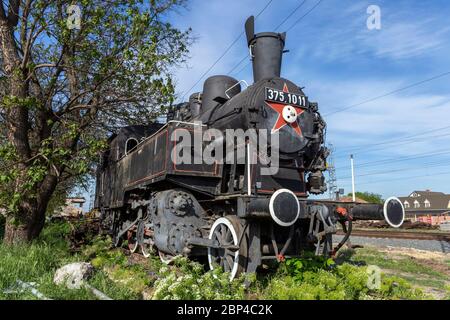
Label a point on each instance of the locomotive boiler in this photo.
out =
(229, 213)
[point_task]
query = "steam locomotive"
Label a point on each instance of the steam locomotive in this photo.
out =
(229, 212)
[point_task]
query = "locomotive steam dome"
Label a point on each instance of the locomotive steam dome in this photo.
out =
(218, 89)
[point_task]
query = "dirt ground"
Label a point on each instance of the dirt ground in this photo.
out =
(427, 270)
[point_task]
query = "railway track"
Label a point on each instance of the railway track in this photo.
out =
(398, 234)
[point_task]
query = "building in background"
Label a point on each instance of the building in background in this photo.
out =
(427, 206)
(73, 207)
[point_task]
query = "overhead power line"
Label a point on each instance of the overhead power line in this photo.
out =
(397, 159)
(388, 93)
(422, 166)
(406, 178)
(290, 15)
(303, 16)
(293, 25)
(237, 65)
(356, 148)
(400, 143)
(223, 54)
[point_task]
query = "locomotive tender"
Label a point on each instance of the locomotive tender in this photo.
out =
(229, 212)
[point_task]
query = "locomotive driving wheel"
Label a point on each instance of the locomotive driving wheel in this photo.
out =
(166, 258)
(232, 254)
(145, 240)
(132, 240)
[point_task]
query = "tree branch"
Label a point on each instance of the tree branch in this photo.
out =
(2, 12)
(13, 12)
(24, 22)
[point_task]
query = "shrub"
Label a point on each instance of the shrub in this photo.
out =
(311, 278)
(101, 253)
(55, 234)
(187, 280)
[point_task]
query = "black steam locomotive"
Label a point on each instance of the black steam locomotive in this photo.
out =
(229, 212)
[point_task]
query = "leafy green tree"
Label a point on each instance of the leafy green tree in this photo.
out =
(369, 197)
(68, 76)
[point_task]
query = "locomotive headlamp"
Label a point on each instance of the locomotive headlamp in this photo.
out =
(284, 207)
(289, 114)
(394, 212)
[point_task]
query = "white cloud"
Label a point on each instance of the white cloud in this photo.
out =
(341, 33)
(392, 117)
(403, 40)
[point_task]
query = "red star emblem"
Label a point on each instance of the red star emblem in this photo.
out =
(280, 123)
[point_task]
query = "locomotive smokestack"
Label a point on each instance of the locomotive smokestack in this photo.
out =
(266, 49)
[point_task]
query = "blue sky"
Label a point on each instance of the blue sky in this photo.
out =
(342, 63)
(397, 141)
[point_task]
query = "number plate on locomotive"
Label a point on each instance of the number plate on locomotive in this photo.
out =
(280, 96)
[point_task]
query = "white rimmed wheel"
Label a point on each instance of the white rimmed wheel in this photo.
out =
(132, 240)
(231, 255)
(145, 239)
(166, 258)
(147, 246)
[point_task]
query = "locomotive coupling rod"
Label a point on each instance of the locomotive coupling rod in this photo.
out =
(208, 243)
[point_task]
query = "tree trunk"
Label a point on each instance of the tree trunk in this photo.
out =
(20, 227)
(14, 234)
(27, 224)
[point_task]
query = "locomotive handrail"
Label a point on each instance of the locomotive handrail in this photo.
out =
(234, 85)
(158, 131)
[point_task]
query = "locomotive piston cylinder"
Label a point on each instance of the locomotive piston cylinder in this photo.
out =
(391, 211)
(282, 207)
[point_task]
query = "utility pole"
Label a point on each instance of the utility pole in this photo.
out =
(332, 181)
(92, 197)
(353, 178)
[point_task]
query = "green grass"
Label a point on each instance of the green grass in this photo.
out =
(307, 279)
(402, 264)
(416, 272)
(38, 261)
(434, 231)
(121, 278)
(432, 283)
